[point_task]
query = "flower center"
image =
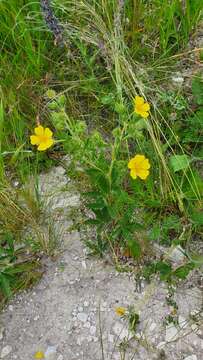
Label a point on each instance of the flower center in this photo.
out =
(139, 107)
(43, 138)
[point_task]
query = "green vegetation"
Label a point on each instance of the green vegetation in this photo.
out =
(84, 89)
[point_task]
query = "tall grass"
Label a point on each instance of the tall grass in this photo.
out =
(108, 31)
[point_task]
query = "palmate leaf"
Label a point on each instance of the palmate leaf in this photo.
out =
(179, 162)
(99, 180)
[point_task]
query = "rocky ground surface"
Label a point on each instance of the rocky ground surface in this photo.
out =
(70, 314)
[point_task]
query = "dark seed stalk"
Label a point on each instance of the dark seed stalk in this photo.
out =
(52, 21)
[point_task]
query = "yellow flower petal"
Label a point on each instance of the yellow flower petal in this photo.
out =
(146, 107)
(45, 145)
(39, 130)
(120, 311)
(143, 174)
(39, 355)
(139, 167)
(141, 107)
(34, 140)
(139, 100)
(131, 164)
(139, 158)
(133, 174)
(144, 114)
(48, 132)
(145, 164)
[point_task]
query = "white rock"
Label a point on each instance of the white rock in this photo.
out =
(82, 316)
(177, 255)
(6, 351)
(191, 357)
(93, 330)
(194, 312)
(84, 264)
(161, 345)
(1, 333)
(50, 353)
(182, 322)
(120, 330)
(171, 333)
(60, 357)
(177, 78)
(196, 329)
(10, 307)
(87, 325)
(86, 303)
(152, 327)
(80, 309)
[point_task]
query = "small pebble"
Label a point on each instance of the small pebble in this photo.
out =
(93, 330)
(1, 333)
(6, 351)
(60, 357)
(191, 357)
(82, 317)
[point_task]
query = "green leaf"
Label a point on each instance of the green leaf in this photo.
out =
(98, 204)
(183, 271)
(99, 179)
(179, 162)
(155, 233)
(164, 269)
(197, 89)
(197, 218)
(134, 247)
(5, 285)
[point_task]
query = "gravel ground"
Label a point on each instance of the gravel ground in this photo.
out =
(70, 314)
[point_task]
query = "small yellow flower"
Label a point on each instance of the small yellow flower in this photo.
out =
(139, 167)
(140, 107)
(120, 311)
(42, 138)
(39, 355)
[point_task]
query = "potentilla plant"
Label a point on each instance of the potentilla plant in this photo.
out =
(115, 170)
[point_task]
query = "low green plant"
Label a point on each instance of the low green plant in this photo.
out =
(19, 268)
(124, 209)
(111, 195)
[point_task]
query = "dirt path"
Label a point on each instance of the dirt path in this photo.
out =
(74, 303)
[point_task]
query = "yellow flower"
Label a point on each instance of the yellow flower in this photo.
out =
(42, 138)
(139, 166)
(39, 355)
(140, 107)
(120, 311)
